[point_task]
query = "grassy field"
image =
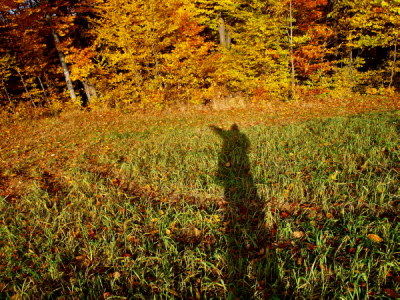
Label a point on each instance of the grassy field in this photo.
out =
(116, 205)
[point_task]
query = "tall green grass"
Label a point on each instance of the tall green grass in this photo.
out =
(145, 215)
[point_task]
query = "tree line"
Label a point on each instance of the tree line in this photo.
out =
(158, 52)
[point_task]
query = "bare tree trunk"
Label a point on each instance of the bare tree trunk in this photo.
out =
(138, 78)
(61, 56)
(224, 34)
(44, 91)
(155, 57)
(90, 90)
(8, 95)
(293, 83)
(351, 61)
(26, 88)
(394, 63)
(221, 30)
(48, 83)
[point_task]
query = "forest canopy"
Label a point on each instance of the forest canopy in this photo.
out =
(159, 52)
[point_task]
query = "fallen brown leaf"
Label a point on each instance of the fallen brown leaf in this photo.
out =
(375, 238)
(391, 293)
(196, 232)
(298, 234)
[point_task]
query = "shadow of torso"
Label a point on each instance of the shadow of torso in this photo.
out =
(234, 170)
(244, 212)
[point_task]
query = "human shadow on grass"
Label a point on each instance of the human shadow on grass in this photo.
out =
(251, 268)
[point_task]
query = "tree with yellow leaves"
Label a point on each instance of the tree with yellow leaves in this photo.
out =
(151, 52)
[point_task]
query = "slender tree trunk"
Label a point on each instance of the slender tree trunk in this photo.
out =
(7, 94)
(90, 90)
(292, 81)
(44, 91)
(138, 77)
(26, 88)
(155, 57)
(61, 56)
(221, 30)
(394, 63)
(48, 83)
(351, 62)
(224, 34)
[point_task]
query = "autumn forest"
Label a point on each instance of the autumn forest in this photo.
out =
(155, 53)
(199, 149)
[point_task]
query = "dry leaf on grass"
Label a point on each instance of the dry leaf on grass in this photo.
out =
(391, 293)
(375, 238)
(173, 292)
(133, 281)
(298, 234)
(284, 215)
(196, 232)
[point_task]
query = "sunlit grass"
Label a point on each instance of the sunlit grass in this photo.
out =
(131, 207)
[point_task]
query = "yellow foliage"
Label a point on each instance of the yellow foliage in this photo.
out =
(151, 53)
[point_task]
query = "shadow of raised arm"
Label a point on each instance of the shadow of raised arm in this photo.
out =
(216, 129)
